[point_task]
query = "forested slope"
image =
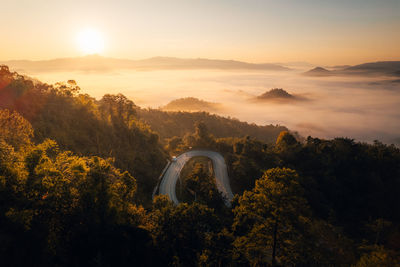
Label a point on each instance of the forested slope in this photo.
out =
(106, 128)
(171, 124)
(74, 172)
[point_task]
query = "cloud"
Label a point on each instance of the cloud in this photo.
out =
(337, 106)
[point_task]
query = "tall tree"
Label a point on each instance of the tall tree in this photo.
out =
(269, 219)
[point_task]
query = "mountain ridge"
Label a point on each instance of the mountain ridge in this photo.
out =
(101, 63)
(191, 104)
(318, 71)
(386, 68)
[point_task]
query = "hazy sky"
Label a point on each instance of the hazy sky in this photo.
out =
(317, 31)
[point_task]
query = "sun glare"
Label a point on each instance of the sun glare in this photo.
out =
(90, 41)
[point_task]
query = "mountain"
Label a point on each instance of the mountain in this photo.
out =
(337, 67)
(385, 68)
(93, 63)
(96, 63)
(317, 71)
(295, 64)
(191, 104)
(391, 68)
(203, 63)
(276, 93)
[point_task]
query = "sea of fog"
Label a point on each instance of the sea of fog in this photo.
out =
(362, 108)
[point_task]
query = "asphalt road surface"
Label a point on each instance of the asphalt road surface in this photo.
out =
(168, 182)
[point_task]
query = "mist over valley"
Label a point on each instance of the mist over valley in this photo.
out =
(363, 106)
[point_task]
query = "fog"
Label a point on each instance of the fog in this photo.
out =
(362, 108)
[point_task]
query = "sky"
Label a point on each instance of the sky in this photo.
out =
(316, 31)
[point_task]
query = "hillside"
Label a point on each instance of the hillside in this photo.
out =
(278, 96)
(83, 125)
(76, 200)
(96, 63)
(382, 68)
(192, 104)
(390, 68)
(275, 94)
(170, 124)
(113, 126)
(317, 71)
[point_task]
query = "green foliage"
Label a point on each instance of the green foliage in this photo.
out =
(274, 225)
(67, 196)
(379, 256)
(270, 218)
(218, 249)
(183, 231)
(14, 129)
(170, 124)
(60, 209)
(174, 144)
(247, 158)
(345, 182)
(198, 184)
(191, 104)
(85, 126)
(358, 182)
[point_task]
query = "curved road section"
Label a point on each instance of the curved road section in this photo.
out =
(168, 182)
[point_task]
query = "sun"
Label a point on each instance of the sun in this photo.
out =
(90, 41)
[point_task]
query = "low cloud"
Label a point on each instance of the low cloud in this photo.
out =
(352, 107)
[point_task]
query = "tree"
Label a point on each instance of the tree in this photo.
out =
(379, 256)
(285, 139)
(218, 249)
(14, 129)
(62, 209)
(268, 219)
(202, 184)
(287, 147)
(181, 231)
(85, 126)
(174, 143)
(119, 108)
(201, 138)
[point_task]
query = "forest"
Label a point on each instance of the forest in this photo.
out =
(178, 124)
(77, 175)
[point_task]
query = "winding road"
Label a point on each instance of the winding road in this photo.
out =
(171, 175)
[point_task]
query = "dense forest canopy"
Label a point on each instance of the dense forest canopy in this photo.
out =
(107, 128)
(192, 104)
(178, 124)
(76, 177)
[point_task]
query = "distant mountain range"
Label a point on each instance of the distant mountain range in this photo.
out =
(386, 68)
(96, 63)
